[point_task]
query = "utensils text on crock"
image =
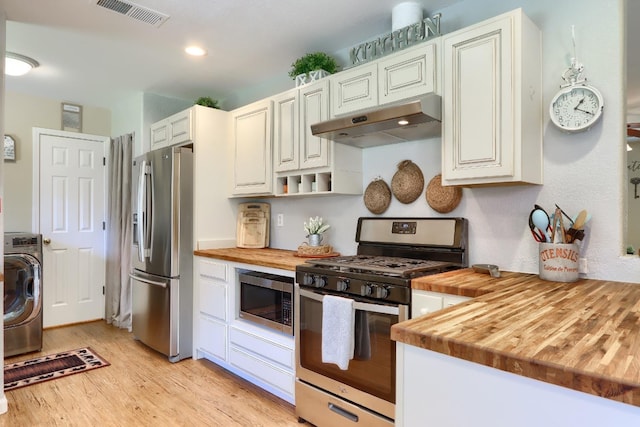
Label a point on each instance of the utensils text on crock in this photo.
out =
(539, 224)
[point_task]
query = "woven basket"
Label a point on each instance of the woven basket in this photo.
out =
(305, 249)
(377, 196)
(442, 199)
(408, 182)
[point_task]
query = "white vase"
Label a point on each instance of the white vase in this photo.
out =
(312, 76)
(315, 239)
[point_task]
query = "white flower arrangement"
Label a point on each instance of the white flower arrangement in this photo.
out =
(315, 226)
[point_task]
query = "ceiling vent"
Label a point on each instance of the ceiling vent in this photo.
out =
(134, 11)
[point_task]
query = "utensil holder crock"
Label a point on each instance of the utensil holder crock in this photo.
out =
(558, 262)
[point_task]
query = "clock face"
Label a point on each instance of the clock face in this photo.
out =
(576, 108)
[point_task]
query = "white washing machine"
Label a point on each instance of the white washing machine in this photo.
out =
(22, 293)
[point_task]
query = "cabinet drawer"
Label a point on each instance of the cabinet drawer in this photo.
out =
(215, 270)
(265, 348)
(213, 337)
(262, 370)
(423, 302)
(213, 299)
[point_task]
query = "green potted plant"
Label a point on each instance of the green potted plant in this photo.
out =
(207, 101)
(308, 68)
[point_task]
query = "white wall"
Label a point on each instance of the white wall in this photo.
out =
(582, 171)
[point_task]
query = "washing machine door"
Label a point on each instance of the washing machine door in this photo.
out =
(22, 290)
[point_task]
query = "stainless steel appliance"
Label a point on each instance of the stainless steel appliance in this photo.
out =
(161, 275)
(391, 252)
(267, 299)
(22, 293)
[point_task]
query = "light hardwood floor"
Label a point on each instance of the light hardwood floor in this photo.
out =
(140, 388)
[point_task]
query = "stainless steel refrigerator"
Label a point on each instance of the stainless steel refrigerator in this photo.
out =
(162, 252)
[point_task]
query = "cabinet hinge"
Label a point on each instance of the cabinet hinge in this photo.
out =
(103, 290)
(104, 161)
(104, 225)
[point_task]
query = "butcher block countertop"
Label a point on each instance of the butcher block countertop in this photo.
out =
(266, 257)
(583, 335)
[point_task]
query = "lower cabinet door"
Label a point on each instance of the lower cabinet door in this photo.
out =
(213, 337)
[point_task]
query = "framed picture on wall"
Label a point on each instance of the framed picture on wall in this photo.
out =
(71, 117)
(9, 148)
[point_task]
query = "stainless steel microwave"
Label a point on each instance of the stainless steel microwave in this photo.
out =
(267, 299)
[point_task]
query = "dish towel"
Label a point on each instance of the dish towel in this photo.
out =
(338, 324)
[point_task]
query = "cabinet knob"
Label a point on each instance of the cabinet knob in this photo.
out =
(46, 241)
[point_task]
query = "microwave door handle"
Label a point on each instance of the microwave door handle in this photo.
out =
(371, 308)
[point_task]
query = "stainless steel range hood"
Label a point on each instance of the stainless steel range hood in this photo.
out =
(383, 126)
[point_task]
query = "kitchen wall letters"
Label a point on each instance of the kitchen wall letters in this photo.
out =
(397, 40)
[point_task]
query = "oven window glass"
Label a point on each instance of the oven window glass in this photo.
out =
(373, 368)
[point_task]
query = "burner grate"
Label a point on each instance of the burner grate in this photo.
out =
(391, 266)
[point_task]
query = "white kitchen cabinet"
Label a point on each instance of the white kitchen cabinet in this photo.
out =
(211, 314)
(174, 130)
(251, 141)
(295, 110)
(492, 103)
(409, 73)
(354, 89)
(424, 302)
(305, 164)
(261, 355)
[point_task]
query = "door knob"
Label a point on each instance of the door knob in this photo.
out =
(46, 241)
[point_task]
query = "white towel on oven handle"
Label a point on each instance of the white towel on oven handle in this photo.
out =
(338, 325)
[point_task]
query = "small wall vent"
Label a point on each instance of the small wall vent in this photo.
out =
(134, 11)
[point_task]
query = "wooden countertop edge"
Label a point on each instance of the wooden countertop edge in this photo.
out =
(560, 375)
(282, 259)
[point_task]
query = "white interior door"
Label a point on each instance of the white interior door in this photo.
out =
(70, 193)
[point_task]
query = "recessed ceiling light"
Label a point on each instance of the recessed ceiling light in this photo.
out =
(17, 65)
(195, 51)
(403, 122)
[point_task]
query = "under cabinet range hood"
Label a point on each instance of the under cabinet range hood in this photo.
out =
(418, 119)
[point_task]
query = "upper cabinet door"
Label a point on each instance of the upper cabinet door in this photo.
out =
(286, 131)
(174, 130)
(409, 74)
(314, 108)
(253, 172)
(492, 98)
(354, 89)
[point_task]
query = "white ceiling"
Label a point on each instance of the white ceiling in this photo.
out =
(93, 56)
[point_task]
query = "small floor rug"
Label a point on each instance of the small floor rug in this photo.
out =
(49, 367)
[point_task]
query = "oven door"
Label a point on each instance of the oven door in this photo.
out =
(370, 379)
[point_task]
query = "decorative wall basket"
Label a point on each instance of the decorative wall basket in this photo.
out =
(377, 196)
(442, 199)
(311, 76)
(408, 182)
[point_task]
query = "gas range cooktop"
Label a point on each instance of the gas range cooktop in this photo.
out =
(383, 265)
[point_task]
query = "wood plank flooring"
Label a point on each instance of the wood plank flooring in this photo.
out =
(140, 388)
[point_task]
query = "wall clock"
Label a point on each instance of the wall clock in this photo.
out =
(9, 148)
(576, 107)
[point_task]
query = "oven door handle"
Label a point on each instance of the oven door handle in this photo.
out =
(372, 308)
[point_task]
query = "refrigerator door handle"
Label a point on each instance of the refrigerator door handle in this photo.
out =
(140, 211)
(147, 281)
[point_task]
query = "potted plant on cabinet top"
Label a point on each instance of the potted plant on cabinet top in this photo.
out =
(207, 101)
(311, 67)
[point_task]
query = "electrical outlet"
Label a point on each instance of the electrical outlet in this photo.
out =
(583, 267)
(280, 220)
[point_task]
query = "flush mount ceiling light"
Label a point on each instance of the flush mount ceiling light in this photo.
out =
(195, 51)
(17, 65)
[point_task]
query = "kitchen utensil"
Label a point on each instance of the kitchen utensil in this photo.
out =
(539, 219)
(490, 269)
(558, 232)
(565, 214)
(581, 219)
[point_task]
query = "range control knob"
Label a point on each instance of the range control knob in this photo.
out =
(307, 279)
(365, 290)
(342, 284)
(319, 281)
(382, 292)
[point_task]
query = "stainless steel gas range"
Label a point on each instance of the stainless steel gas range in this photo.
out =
(374, 287)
